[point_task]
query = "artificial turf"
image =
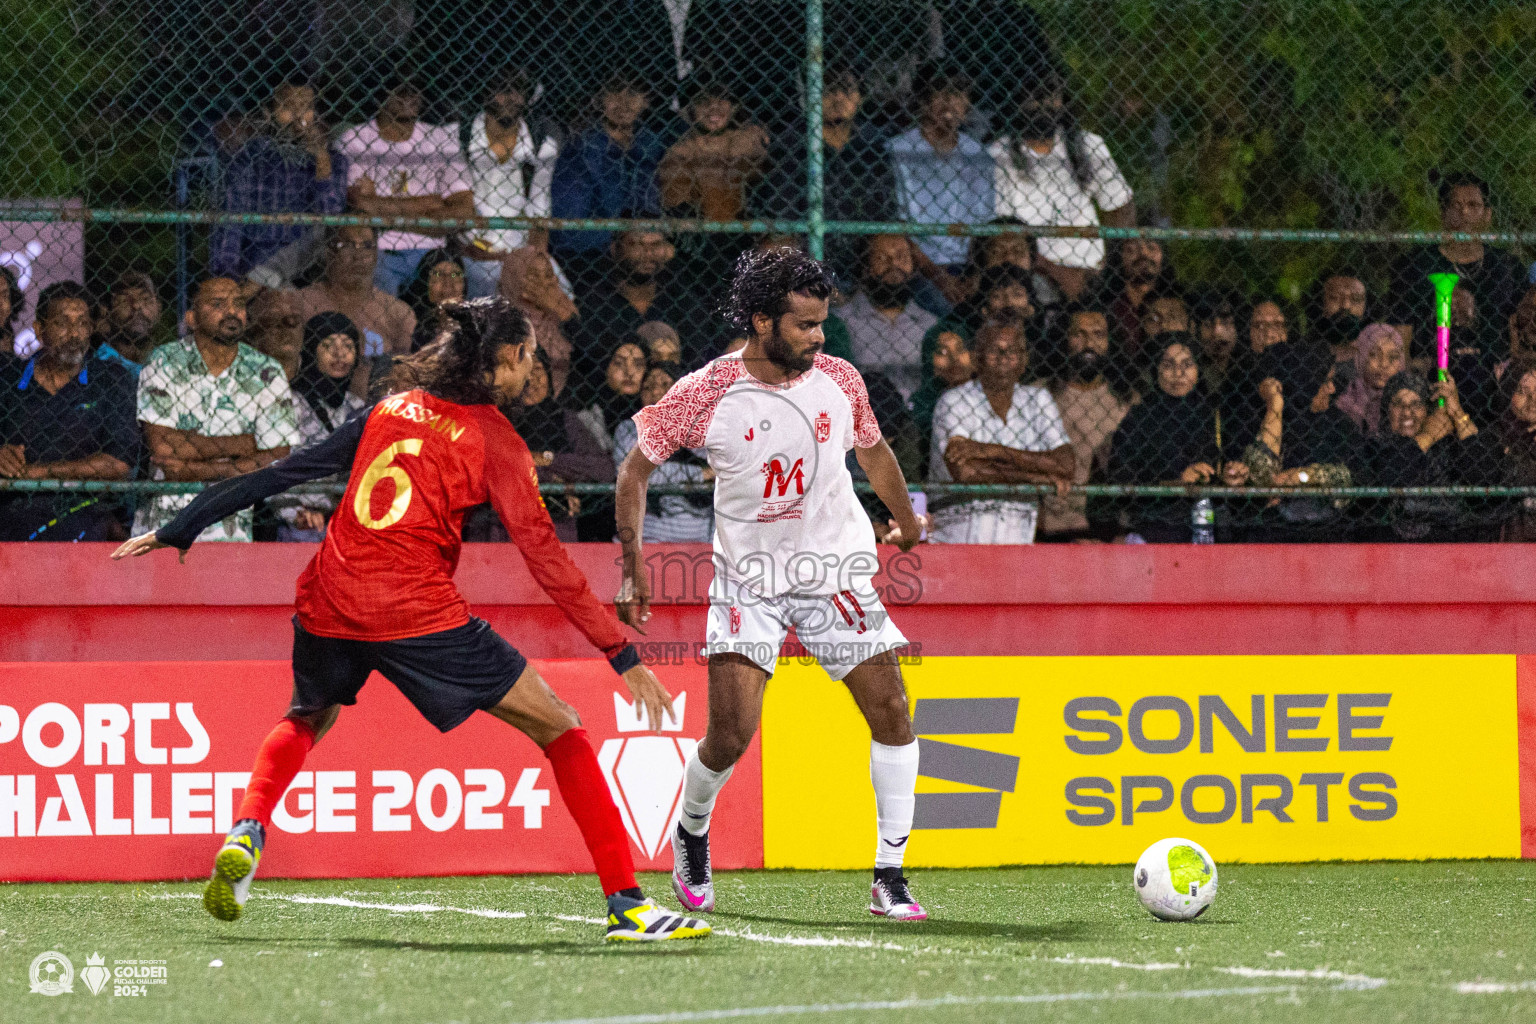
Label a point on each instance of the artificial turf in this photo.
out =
(1338, 942)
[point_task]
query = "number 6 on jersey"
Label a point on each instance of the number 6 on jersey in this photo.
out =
(382, 468)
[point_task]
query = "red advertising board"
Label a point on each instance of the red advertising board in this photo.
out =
(130, 771)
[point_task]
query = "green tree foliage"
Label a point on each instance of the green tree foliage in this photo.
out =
(1305, 114)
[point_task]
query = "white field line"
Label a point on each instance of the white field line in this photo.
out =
(1109, 961)
(751, 936)
(342, 901)
(681, 1016)
(432, 908)
(1346, 981)
(1475, 988)
(400, 908)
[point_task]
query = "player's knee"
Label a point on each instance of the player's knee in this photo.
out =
(319, 722)
(890, 722)
(554, 719)
(727, 745)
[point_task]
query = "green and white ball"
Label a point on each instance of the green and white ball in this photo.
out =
(1176, 879)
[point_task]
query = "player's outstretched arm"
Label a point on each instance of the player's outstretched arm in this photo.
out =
(885, 476)
(332, 455)
(143, 544)
(634, 599)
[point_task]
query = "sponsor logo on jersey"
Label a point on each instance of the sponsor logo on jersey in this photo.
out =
(823, 427)
(774, 473)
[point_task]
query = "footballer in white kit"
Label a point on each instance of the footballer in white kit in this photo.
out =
(793, 547)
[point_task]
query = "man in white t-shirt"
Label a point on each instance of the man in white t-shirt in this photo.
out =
(399, 166)
(512, 166)
(793, 547)
(994, 430)
(1051, 173)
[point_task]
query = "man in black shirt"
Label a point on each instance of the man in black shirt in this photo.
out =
(133, 311)
(857, 176)
(640, 284)
(65, 417)
(1493, 276)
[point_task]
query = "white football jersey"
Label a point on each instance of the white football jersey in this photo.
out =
(787, 520)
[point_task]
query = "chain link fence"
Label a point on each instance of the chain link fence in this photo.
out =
(1149, 269)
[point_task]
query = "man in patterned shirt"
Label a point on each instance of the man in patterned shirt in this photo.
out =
(212, 407)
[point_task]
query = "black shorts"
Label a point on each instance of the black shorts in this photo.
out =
(448, 676)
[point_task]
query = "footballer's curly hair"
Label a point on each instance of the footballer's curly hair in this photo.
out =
(458, 361)
(765, 279)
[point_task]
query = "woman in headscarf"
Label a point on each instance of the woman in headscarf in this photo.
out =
(608, 395)
(1173, 436)
(670, 518)
(947, 363)
(530, 279)
(439, 279)
(329, 354)
(1379, 355)
(1517, 390)
(1517, 434)
(1302, 442)
(1422, 445)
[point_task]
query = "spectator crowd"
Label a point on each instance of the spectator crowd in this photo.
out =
(996, 359)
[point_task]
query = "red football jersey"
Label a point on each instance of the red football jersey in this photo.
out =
(385, 569)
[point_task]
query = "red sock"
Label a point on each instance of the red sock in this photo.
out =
(586, 796)
(279, 760)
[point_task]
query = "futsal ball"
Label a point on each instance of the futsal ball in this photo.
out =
(1176, 879)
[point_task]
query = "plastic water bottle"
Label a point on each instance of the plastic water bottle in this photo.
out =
(1202, 522)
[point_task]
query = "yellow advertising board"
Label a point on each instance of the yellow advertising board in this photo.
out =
(1091, 759)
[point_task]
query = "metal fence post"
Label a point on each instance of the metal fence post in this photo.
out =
(814, 186)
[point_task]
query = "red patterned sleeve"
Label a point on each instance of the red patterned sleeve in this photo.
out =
(866, 429)
(681, 418)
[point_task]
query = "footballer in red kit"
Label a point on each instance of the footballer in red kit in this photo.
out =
(379, 595)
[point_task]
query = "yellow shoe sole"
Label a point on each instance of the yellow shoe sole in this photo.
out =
(229, 867)
(676, 933)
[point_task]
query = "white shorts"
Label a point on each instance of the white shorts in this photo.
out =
(840, 630)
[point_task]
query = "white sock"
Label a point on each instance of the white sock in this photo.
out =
(893, 770)
(700, 788)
